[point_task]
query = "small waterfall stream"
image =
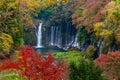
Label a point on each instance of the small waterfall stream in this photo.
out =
(76, 44)
(39, 36)
(52, 35)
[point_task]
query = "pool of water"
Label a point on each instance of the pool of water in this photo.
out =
(49, 49)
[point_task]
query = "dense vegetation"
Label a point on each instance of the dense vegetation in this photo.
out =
(98, 29)
(101, 21)
(33, 66)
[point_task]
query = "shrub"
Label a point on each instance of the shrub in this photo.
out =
(69, 56)
(6, 43)
(111, 64)
(85, 70)
(81, 67)
(33, 66)
(12, 76)
(90, 52)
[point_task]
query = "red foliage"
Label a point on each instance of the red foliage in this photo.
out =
(91, 12)
(35, 67)
(102, 60)
(111, 64)
(8, 64)
(23, 4)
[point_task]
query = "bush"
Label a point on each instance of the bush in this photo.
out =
(10, 74)
(69, 56)
(12, 77)
(82, 67)
(32, 65)
(90, 52)
(6, 43)
(85, 70)
(111, 64)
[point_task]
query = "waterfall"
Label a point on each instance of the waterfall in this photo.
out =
(61, 36)
(39, 36)
(100, 46)
(65, 37)
(52, 35)
(76, 44)
(55, 36)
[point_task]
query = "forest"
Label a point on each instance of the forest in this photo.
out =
(59, 39)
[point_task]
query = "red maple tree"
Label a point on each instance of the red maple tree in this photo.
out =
(33, 66)
(110, 64)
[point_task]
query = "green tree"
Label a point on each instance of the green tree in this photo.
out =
(85, 69)
(17, 14)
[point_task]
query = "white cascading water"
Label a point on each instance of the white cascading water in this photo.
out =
(39, 36)
(76, 44)
(52, 35)
(56, 38)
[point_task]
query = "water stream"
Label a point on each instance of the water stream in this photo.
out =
(39, 36)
